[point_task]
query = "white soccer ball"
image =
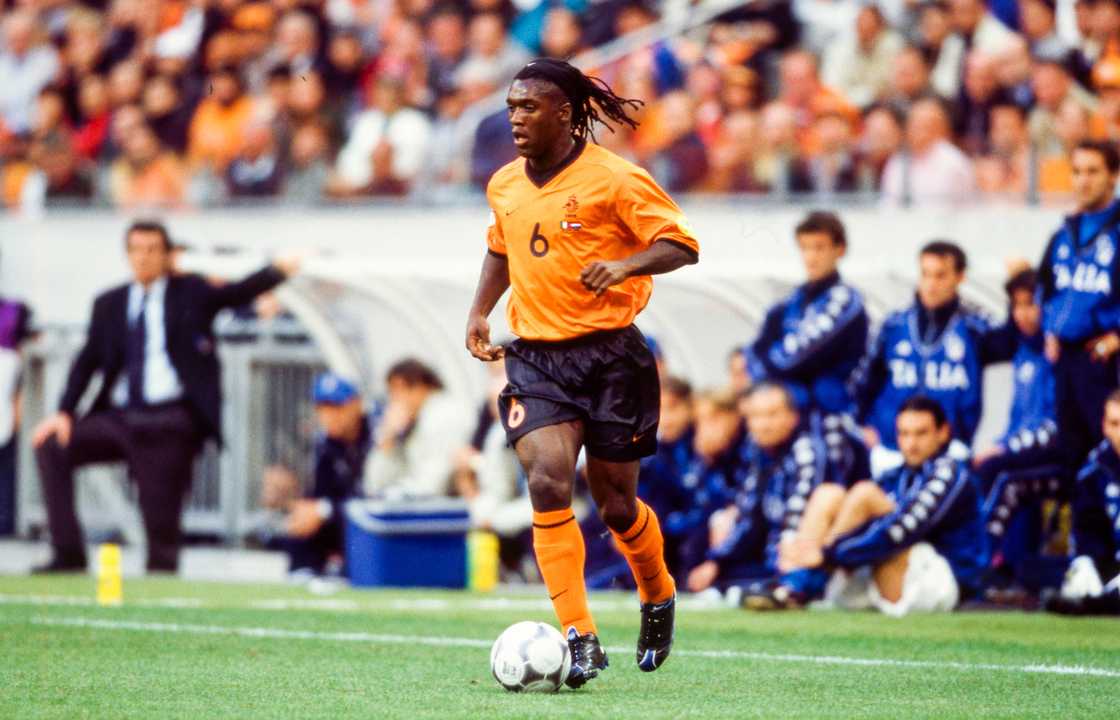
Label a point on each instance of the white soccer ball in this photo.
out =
(530, 657)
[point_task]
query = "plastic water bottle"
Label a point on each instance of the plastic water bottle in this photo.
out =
(109, 588)
(482, 560)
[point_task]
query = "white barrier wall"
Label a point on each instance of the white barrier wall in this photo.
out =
(384, 282)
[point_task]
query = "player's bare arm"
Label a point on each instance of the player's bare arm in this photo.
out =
(663, 256)
(492, 282)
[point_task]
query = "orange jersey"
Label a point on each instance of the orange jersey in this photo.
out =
(599, 207)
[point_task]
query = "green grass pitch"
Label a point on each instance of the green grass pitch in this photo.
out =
(197, 650)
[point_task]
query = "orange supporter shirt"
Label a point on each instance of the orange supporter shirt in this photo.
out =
(600, 207)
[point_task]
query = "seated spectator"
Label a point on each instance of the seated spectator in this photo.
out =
(833, 167)
(220, 120)
(316, 521)
(1055, 172)
(92, 130)
(980, 94)
(801, 90)
(731, 156)
(389, 138)
(1005, 167)
(1088, 588)
(708, 483)
(417, 436)
(1105, 124)
(1051, 86)
(909, 80)
(681, 163)
(562, 36)
(49, 123)
(297, 43)
(146, 175)
(27, 64)
(60, 177)
(1038, 23)
(126, 83)
(880, 140)
(309, 166)
(777, 148)
(943, 57)
(782, 465)
(931, 171)
(858, 64)
(976, 28)
(1013, 71)
(167, 113)
(446, 49)
(490, 50)
(918, 530)
(256, 171)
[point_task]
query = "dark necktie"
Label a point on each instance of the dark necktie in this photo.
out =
(137, 340)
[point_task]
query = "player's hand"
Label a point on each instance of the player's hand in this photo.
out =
(871, 437)
(478, 340)
(304, 519)
(702, 576)
(1103, 347)
(601, 274)
(1052, 349)
(58, 425)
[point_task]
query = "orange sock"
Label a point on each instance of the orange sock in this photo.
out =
(644, 549)
(558, 543)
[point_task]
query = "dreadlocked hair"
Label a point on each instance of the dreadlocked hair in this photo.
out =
(584, 93)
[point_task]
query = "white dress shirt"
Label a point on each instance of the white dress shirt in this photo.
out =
(161, 382)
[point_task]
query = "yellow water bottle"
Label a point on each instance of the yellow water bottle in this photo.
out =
(109, 588)
(482, 560)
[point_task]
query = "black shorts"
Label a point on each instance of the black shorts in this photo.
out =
(607, 380)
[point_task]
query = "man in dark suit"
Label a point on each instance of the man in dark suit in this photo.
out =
(153, 343)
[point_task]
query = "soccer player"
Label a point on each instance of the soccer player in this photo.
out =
(576, 233)
(937, 347)
(1096, 527)
(918, 528)
(1025, 464)
(781, 466)
(1081, 300)
(814, 339)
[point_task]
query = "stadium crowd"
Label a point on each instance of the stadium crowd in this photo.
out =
(178, 103)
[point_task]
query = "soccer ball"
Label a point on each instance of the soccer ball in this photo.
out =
(530, 657)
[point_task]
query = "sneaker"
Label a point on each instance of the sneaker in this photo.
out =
(655, 639)
(772, 596)
(588, 658)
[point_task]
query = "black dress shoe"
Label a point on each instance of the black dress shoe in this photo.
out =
(61, 563)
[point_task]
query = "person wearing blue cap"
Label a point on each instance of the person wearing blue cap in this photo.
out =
(315, 522)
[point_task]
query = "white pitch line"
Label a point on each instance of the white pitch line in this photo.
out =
(382, 639)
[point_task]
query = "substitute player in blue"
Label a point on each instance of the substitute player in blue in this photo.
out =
(1080, 292)
(1096, 528)
(1025, 464)
(919, 528)
(781, 466)
(937, 347)
(814, 339)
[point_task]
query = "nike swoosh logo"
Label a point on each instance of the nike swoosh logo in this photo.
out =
(553, 597)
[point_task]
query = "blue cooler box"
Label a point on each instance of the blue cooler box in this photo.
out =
(407, 543)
